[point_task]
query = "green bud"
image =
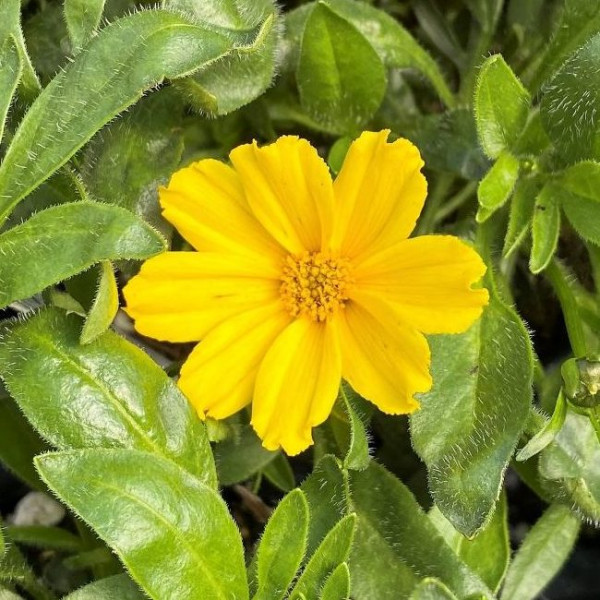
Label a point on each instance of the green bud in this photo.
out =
(581, 378)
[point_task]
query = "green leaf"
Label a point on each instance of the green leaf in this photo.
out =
(148, 510)
(124, 60)
(63, 240)
(104, 307)
(396, 545)
(341, 79)
(543, 552)
(435, 134)
(243, 74)
(282, 547)
(580, 198)
(432, 589)
(573, 460)
(488, 554)
(83, 18)
(545, 228)
(118, 586)
(498, 184)
(11, 69)
(570, 105)
(337, 585)
(580, 20)
(10, 25)
(521, 214)
(395, 45)
(357, 456)
(241, 456)
(337, 153)
(333, 550)
(105, 394)
(19, 443)
(501, 106)
(279, 473)
(547, 433)
(462, 431)
(135, 154)
(37, 536)
(326, 490)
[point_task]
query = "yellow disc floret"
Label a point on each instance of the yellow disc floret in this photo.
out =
(315, 284)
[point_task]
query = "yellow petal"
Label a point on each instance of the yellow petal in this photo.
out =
(180, 296)
(428, 281)
(206, 203)
(379, 194)
(289, 190)
(384, 360)
(218, 377)
(297, 384)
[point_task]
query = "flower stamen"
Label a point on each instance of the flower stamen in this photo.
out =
(315, 284)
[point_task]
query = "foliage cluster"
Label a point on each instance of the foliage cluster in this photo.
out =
(100, 101)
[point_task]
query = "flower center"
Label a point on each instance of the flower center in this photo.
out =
(315, 285)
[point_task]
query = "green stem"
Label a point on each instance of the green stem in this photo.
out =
(438, 193)
(557, 277)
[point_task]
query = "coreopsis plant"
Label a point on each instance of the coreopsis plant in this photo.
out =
(300, 299)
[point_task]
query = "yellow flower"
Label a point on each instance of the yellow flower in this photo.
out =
(300, 281)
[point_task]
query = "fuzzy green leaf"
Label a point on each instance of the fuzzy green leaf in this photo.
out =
(543, 552)
(340, 77)
(463, 431)
(282, 547)
(170, 530)
(10, 25)
(337, 585)
(570, 105)
(573, 460)
(545, 228)
(432, 589)
(396, 545)
(110, 588)
(497, 186)
(125, 59)
(11, 68)
(135, 154)
(580, 198)
(326, 490)
(333, 550)
(501, 106)
(548, 432)
(61, 241)
(580, 20)
(83, 18)
(105, 394)
(104, 307)
(521, 214)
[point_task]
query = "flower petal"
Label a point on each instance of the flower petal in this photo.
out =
(379, 194)
(384, 360)
(289, 190)
(180, 296)
(218, 377)
(297, 384)
(428, 281)
(206, 203)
